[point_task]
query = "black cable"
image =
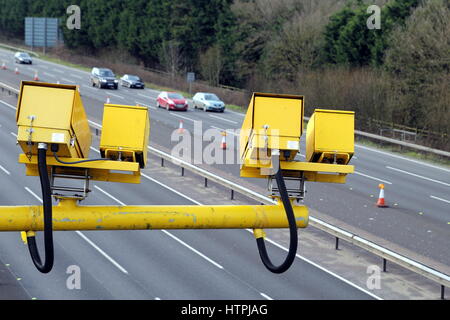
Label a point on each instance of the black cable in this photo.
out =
(76, 162)
(292, 230)
(48, 227)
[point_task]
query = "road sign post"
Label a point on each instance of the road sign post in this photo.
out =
(190, 78)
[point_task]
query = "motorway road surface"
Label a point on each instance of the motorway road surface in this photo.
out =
(417, 192)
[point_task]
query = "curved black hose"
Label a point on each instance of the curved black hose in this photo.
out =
(292, 230)
(76, 162)
(48, 227)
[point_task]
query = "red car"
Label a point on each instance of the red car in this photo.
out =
(171, 101)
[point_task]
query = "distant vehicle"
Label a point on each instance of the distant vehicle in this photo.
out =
(104, 78)
(171, 101)
(208, 101)
(23, 57)
(132, 81)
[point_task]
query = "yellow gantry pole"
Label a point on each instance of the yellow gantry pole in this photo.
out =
(68, 216)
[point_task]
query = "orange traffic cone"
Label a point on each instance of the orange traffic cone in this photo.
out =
(3, 66)
(223, 144)
(180, 128)
(36, 77)
(16, 71)
(380, 202)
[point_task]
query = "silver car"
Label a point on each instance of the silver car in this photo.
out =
(22, 57)
(208, 102)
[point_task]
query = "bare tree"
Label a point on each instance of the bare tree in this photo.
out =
(170, 56)
(211, 64)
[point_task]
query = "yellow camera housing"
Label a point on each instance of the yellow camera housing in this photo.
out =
(52, 114)
(330, 136)
(273, 121)
(125, 133)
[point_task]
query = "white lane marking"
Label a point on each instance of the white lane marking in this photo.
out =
(437, 198)
(111, 196)
(237, 113)
(13, 134)
(56, 70)
(33, 194)
(143, 96)
(94, 149)
(170, 189)
(166, 232)
(193, 249)
(4, 170)
(418, 176)
(402, 158)
(265, 296)
(145, 105)
(47, 64)
(276, 244)
(116, 95)
(322, 268)
(373, 178)
(78, 77)
(67, 80)
(8, 105)
(43, 66)
(95, 124)
(230, 131)
(183, 117)
(103, 253)
(216, 117)
(49, 74)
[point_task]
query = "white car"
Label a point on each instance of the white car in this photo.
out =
(208, 102)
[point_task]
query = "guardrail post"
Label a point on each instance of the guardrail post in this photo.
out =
(206, 182)
(232, 194)
(337, 244)
(182, 171)
(384, 264)
(442, 292)
(162, 162)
